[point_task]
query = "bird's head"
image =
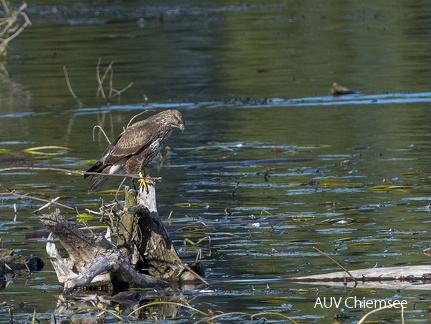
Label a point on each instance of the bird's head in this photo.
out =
(170, 118)
(177, 120)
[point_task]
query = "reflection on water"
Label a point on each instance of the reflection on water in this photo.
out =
(272, 50)
(266, 181)
(314, 183)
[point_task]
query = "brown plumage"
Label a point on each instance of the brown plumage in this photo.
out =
(136, 146)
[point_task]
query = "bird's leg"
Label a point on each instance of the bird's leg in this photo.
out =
(144, 180)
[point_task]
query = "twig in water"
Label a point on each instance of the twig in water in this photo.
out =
(378, 310)
(8, 193)
(103, 132)
(33, 320)
(5, 7)
(119, 92)
(170, 215)
(46, 205)
(100, 93)
(335, 261)
(69, 86)
(101, 80)
(15, 213)
(111, 78)
(10, 27)
(236, 187)
(9, 268)
(137, 115)
(10, 315)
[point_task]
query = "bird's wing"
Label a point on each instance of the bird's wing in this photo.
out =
(131, 142)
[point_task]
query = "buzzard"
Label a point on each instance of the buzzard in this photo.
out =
(136, 146)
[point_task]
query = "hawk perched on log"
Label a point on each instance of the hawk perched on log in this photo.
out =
(136, 146)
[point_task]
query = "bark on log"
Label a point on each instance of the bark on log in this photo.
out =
(156, 248)
(146, 242)
(144, 255)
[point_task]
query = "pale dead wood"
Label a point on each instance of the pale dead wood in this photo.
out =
(101, 78)
(409, 277)
(102, 131)
(10, 24)
(135, 116)
(100, 91)
(90, 257)
(69, 86)
(144, 255)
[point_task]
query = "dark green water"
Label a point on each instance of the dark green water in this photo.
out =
(197, 59)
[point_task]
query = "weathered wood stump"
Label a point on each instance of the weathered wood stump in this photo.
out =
(143, 255)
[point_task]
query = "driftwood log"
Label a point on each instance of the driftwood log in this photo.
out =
(408, 277)
(143, 255)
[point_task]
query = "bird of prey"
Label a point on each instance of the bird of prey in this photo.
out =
(136, 146)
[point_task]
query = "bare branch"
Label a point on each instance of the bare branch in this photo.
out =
(11, 27)
(111, 80)
(99, 81)
(5, 7)
(49, 202)
(12, 19)
(112, 93)
(335, 261)
(81, 173)
(103, 132)
(70, 87)
(119, 92)
(137, 115)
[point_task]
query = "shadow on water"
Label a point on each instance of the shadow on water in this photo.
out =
(269, 165)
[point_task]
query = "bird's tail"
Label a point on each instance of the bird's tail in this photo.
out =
(101, 168)
(98, 182)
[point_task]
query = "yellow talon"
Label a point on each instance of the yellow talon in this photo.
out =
(144, 181)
